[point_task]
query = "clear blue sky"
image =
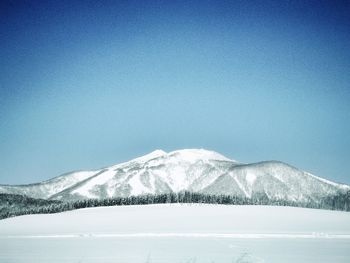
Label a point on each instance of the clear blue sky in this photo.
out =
(88, 84)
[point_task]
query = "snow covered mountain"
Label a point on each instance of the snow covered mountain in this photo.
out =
(195, 170)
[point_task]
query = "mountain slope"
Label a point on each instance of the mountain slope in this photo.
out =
(191, 170)
(48, 188)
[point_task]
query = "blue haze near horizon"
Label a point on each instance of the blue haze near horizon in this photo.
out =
(86, 84)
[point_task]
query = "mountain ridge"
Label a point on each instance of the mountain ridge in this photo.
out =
(196, 170)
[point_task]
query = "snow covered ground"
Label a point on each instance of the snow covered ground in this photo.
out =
(178, 233)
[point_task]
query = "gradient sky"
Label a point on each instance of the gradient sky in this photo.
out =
(89, 84)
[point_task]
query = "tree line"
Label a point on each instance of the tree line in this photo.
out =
(16, 204)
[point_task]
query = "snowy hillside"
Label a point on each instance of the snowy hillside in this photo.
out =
(178, 233)
(194, 170)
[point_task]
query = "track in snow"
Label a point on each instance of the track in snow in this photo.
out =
(191, 235)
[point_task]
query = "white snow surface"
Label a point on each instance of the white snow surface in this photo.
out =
(178, 233)
(186, 219)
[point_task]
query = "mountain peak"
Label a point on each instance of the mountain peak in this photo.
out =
(189, 155)
(196, 154)
(152, 155)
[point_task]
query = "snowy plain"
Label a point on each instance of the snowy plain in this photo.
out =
(178, 233)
